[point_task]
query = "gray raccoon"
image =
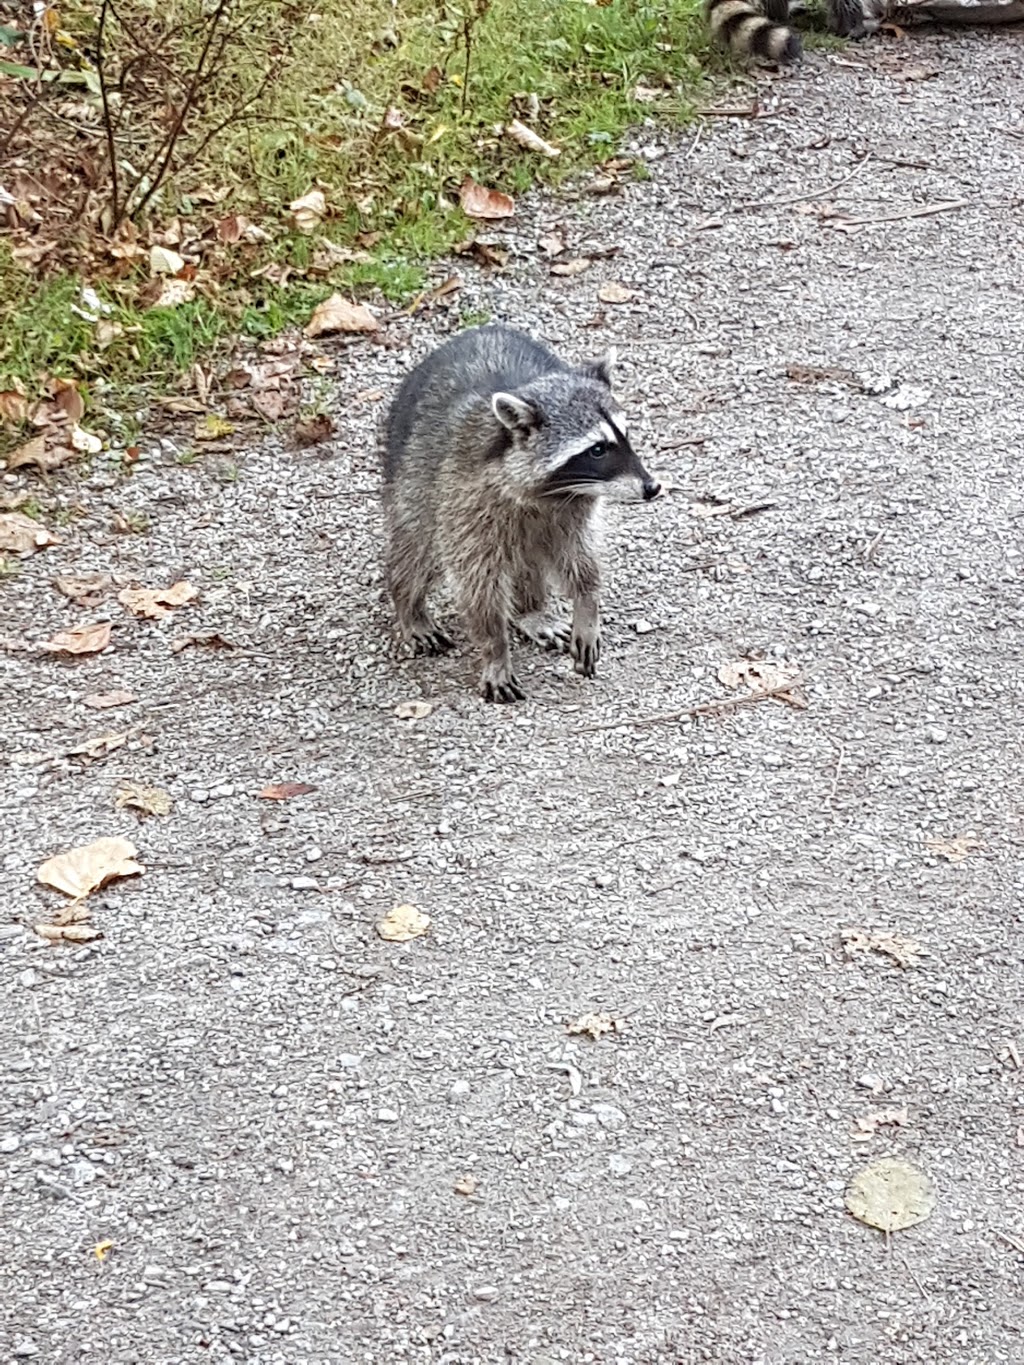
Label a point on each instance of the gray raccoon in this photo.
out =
(497, 457)
(757, 30)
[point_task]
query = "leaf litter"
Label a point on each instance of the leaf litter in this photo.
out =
(595, 1025)
(890, 1194)
(403, 923)
(413, 710)
(778, 680)
(89, 639)
(21, 535)
(157, 603)
(899, 948)
(337, 314)
(87, 867)
(284, 791)
(957, 849)
(146, 800)
(106, 701)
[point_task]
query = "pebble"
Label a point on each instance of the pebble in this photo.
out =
(304, 884)
(9, 1143)
(459, 1090)
(314, 854)
(10, 931)
(608, 1115)
(935, 734)
(24, 1349)
(642, 627)
(486, 1293)
(387, 1115)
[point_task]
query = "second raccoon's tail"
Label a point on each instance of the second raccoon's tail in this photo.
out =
(741, 27)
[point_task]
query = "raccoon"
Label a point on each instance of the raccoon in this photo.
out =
(756, 29)
(497, 457)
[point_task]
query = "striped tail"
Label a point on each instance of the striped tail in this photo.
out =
(741, 27)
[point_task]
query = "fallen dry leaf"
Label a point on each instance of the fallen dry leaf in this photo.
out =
(85, 442)
(902, 950)
(551, 243)
(866, 1125)
(466, 1184)
(213, 427)
(148, 800)
(479, 202)
(955, 850)
(81, 640)
(163, 261)
(338, 315)
(105, 701)
(272, 405)
(413, 710)
(23, 536)
(527, 138)
(614, 292)
(32, 452)
(13, 407)
(403, 923)
(757, 675)
(309, 211)
(312, 431)
(595, 1025)
(212, 639)
(283, 791)
(890, 1195)
(573, 267)
(87, 590)
(156, 603)
(68, 933)
(87, 867)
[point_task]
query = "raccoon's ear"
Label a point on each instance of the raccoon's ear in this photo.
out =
(514, 412)
(601, 367)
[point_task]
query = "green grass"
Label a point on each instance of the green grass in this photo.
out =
(567, 68)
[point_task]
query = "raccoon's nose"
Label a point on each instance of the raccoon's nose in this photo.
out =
(651, 489)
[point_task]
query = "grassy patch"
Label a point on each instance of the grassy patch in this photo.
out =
(386, 109)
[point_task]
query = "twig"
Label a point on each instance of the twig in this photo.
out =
(839, 769)
(845, 224)
(108, 123)
(784, 691)
(806, 198)
(736, 111)
(1014, 1242)
(913, 1275)
(872, 546)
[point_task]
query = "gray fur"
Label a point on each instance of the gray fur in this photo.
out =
(491, 482)
(755, 30)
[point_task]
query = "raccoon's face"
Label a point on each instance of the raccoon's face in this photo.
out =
(569, 438)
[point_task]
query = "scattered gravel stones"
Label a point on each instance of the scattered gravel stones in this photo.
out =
(245, 1128)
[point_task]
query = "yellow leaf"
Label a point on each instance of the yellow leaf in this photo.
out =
(890, 1194)
(403, 923)
(148, 800)
(83, 869)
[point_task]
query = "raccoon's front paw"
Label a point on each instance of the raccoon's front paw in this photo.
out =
(585, 651)
(430, 639)
(550, 632)
(499, 684)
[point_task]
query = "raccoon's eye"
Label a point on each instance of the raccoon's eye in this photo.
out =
(596, 451)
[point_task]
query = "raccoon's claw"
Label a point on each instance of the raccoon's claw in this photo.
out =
(432, 641)
(547, 631)
(502, 690)
(585, 654)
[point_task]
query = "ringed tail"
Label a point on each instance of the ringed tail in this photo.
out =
(743, 29)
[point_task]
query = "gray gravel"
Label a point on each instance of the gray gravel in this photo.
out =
(267, 1109)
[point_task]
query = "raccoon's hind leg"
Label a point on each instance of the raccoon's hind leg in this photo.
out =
(533, 615)
(411, 570)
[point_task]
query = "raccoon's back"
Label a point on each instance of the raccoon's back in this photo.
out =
(447, 385)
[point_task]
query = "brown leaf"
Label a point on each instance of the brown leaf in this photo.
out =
(484, 252)
(309, 211)
(105, 701)
(403, 923)
(479, 202)
(69, 400)
(614, 292)
(212, 639)
(156, 603)
(87, 590)
(902, 950)
(413, 710)
(81, 640)
(231, 228)
(272, 404)
(13, 408)
(570, 268)
(527, 138)
(595, 1025)
(68, 933)
(955, 850)
(148, 800)
(87, 867)
(163, 261)
(21, 535)
(810, 374)
(284, 791)
(552, 243)
(866, 1125)
(338, 315)
(312, 431)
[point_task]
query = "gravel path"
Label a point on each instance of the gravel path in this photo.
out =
(310, 1145)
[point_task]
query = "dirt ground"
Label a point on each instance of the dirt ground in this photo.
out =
(308, 1145)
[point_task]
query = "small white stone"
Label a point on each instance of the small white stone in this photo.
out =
(486, 1293)
(314, 854)
(304, 884)
(387, 1115)
(9, 1144)
(642, 627)
(935, 734)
